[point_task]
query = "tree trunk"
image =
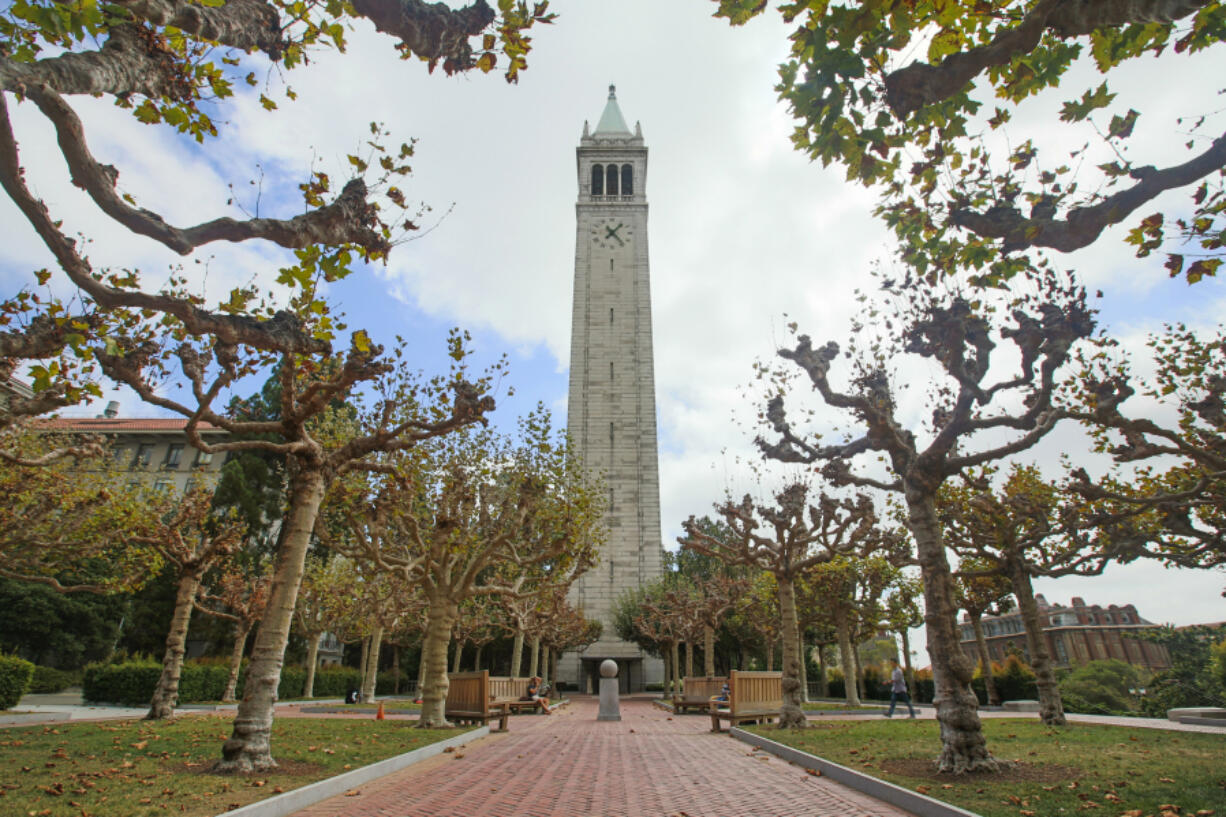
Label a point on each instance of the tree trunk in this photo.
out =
(708, 651)
(770, 655)
(421, 669)
(846, 660)
(534, 662)
(906, 662)
(166, 694)
(249, 747)
(1051, 707)
(517, 652)
(985, 661)
(477, 658)
(668, 672)
(363, 659)
(823, 686)
(236, 659)
(804, 670)
(308, 685)
(442, 617)
(370, 672)
(689, 659)
(860, 684)
(963, 748)
(675, 687)
(395, 669)
(792, 714)
(459, 653)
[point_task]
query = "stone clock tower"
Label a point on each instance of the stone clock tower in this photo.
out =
(612, 407)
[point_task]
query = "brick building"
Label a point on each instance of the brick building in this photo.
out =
(1075, 635)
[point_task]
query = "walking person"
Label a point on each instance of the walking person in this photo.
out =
(898, 689)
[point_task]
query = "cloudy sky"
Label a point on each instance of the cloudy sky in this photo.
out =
(745, 234)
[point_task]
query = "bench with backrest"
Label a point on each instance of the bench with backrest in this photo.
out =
(468, 700)
(752, 696)
(697, 692)
(510, 691)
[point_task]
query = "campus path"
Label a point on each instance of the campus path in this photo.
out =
(568, 764)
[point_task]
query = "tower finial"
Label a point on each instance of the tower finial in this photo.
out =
(612, 91)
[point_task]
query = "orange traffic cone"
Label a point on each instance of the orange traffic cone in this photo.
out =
(379, 715)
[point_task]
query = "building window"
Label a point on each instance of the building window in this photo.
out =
(627, 180)
(597, 180)
(610, 371)
(610, 180)
(610, 316)
(203, 457)
(144, 454)
(163, 485)
(174, 455)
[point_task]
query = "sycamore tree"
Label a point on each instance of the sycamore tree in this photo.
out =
(787, 539)
(175, 65)
(464, 516)
(983, 592)
(982, 410)
(240, 596)
(1166, 496)
(322, 606)
(565, 629)
(757, 612)
(943, 107)
(193, 541)
(903, 613)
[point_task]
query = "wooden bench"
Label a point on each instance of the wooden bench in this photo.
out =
(697, 692)
(510, 691)
(753, 696)
(468, 700)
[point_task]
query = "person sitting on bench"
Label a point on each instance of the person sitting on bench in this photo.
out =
(536, 693)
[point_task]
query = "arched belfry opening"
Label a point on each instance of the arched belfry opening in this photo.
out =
(627, 180)
(597, 180)
(611, 180)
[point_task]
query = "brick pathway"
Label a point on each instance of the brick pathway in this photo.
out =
(570, 765)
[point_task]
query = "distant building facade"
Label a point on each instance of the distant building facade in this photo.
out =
(152, 452)
(1075, 635)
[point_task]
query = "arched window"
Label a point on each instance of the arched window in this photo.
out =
(627, 180)
(610, 178)
(597, 180)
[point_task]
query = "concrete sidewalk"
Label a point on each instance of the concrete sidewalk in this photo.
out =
(568, 763)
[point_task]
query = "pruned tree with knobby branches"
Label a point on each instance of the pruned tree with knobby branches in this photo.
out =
(239, 596)
(983, 591)
(976, 419)
(786, 540)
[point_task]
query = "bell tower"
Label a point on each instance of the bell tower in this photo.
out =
(612, 404)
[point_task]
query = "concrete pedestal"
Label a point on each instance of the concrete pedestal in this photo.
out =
(610, 707)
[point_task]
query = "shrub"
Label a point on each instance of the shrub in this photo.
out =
(1100, 687)
(50, 679)
(131, 683)
(334, 682)
(15, 675)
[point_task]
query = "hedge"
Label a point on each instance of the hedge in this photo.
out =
(50, 679)
(15, 675)
(132, 683)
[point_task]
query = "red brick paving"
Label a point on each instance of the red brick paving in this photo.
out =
(570, 765)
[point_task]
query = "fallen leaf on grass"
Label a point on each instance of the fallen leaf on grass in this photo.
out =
(1165, 780)
(922, 789)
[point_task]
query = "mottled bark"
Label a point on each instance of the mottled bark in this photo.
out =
(534, 661)
(675, 686)
(963, 748)
(395, 669)
(860, 685)
(456, 656)
(708, 651)
(985, 661)
(249, 747)
(166, 693)
(804, 670)
(792, 715)
(308, 685)
(770, 655)
(477, 658)
(245, 24)
(1051, 707)
(442, 617)
(370, 671)
(241, 631)
(823, 685)
(689, 659)
(517, 652)
(847, 659)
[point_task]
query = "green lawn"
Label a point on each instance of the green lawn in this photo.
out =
(131, 768)
(1101, 771)
(817, 706)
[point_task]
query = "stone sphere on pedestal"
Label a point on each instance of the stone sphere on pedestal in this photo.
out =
(608, 668)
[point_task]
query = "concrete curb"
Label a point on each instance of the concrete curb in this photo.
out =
(308, 795)
(911, 801)
(1194, 721)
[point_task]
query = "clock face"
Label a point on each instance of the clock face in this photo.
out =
(611, 233)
